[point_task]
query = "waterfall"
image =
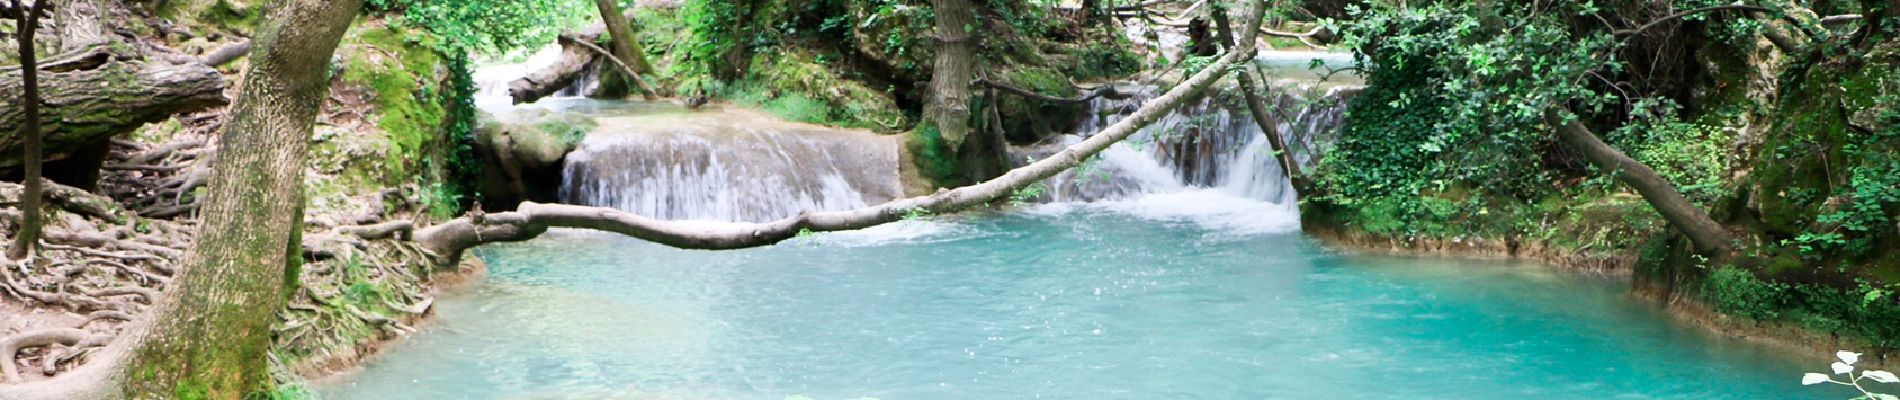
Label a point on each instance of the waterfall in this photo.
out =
(491, 80)
(733, 166)
(664, 161)
(1210, 143)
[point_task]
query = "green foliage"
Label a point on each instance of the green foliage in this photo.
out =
(795, 87)
(916, 213)
(464, 166)
(1695, 157)
(1027, 194)
(442, 200)
(1736, 291)
(714, 29)
(1486, 83)
(490, 26)
(1841, 180)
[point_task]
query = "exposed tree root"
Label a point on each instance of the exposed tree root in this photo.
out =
(66, 198)
(11, 346)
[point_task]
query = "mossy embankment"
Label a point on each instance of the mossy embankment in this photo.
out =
(395, 141)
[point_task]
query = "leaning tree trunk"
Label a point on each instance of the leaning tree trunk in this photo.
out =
(210, 335)
(626, 46)
(1709, 238)
(1257, 107)
(30, 223)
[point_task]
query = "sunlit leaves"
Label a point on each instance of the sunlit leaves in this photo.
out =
(491, 26)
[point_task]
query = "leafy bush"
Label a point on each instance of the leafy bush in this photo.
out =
(491, 26)
(1695, 157)
(1736, 291)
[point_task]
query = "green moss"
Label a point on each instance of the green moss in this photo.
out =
(796, 86)
(240, 17)
(935, 160)
(416, 104)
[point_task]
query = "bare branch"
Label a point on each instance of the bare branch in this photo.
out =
(1680, 15)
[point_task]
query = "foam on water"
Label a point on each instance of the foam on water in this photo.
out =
(912, 231)
(1214, 209)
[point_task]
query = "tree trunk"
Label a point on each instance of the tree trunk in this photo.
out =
(30, 223)
(949, 107)
(1709, 237)
(450, 239)
(1258, 108)
(92, 95)
(626, 42)
(626, 46)
(209, 337)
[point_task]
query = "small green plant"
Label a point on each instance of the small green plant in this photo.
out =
(805, 233)
(1845, 368)
(1027, 194)
(915, 213)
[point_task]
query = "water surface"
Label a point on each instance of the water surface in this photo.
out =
(1123, 301)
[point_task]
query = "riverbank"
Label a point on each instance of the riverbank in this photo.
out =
(345, 360)
(1684, 308)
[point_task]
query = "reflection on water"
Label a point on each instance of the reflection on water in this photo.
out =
(1075, 302)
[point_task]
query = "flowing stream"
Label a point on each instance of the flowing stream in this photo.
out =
(1171, 268)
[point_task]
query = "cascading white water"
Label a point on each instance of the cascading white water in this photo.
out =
(664, 161)
(1211, 143)
(733, 166)
(491, 81)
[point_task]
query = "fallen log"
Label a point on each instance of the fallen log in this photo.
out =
(93, 95)
(561, 75)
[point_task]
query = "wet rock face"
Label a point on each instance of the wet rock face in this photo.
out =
(522, 154)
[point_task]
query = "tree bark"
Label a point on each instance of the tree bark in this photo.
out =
(30, 202)
(546, 82)
(80, 24)
(949, 107)
(646, 91)
(449, 240)
(626, 43)
(626, 46)
(92, 95)
(1709, 238)
(210, 336)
